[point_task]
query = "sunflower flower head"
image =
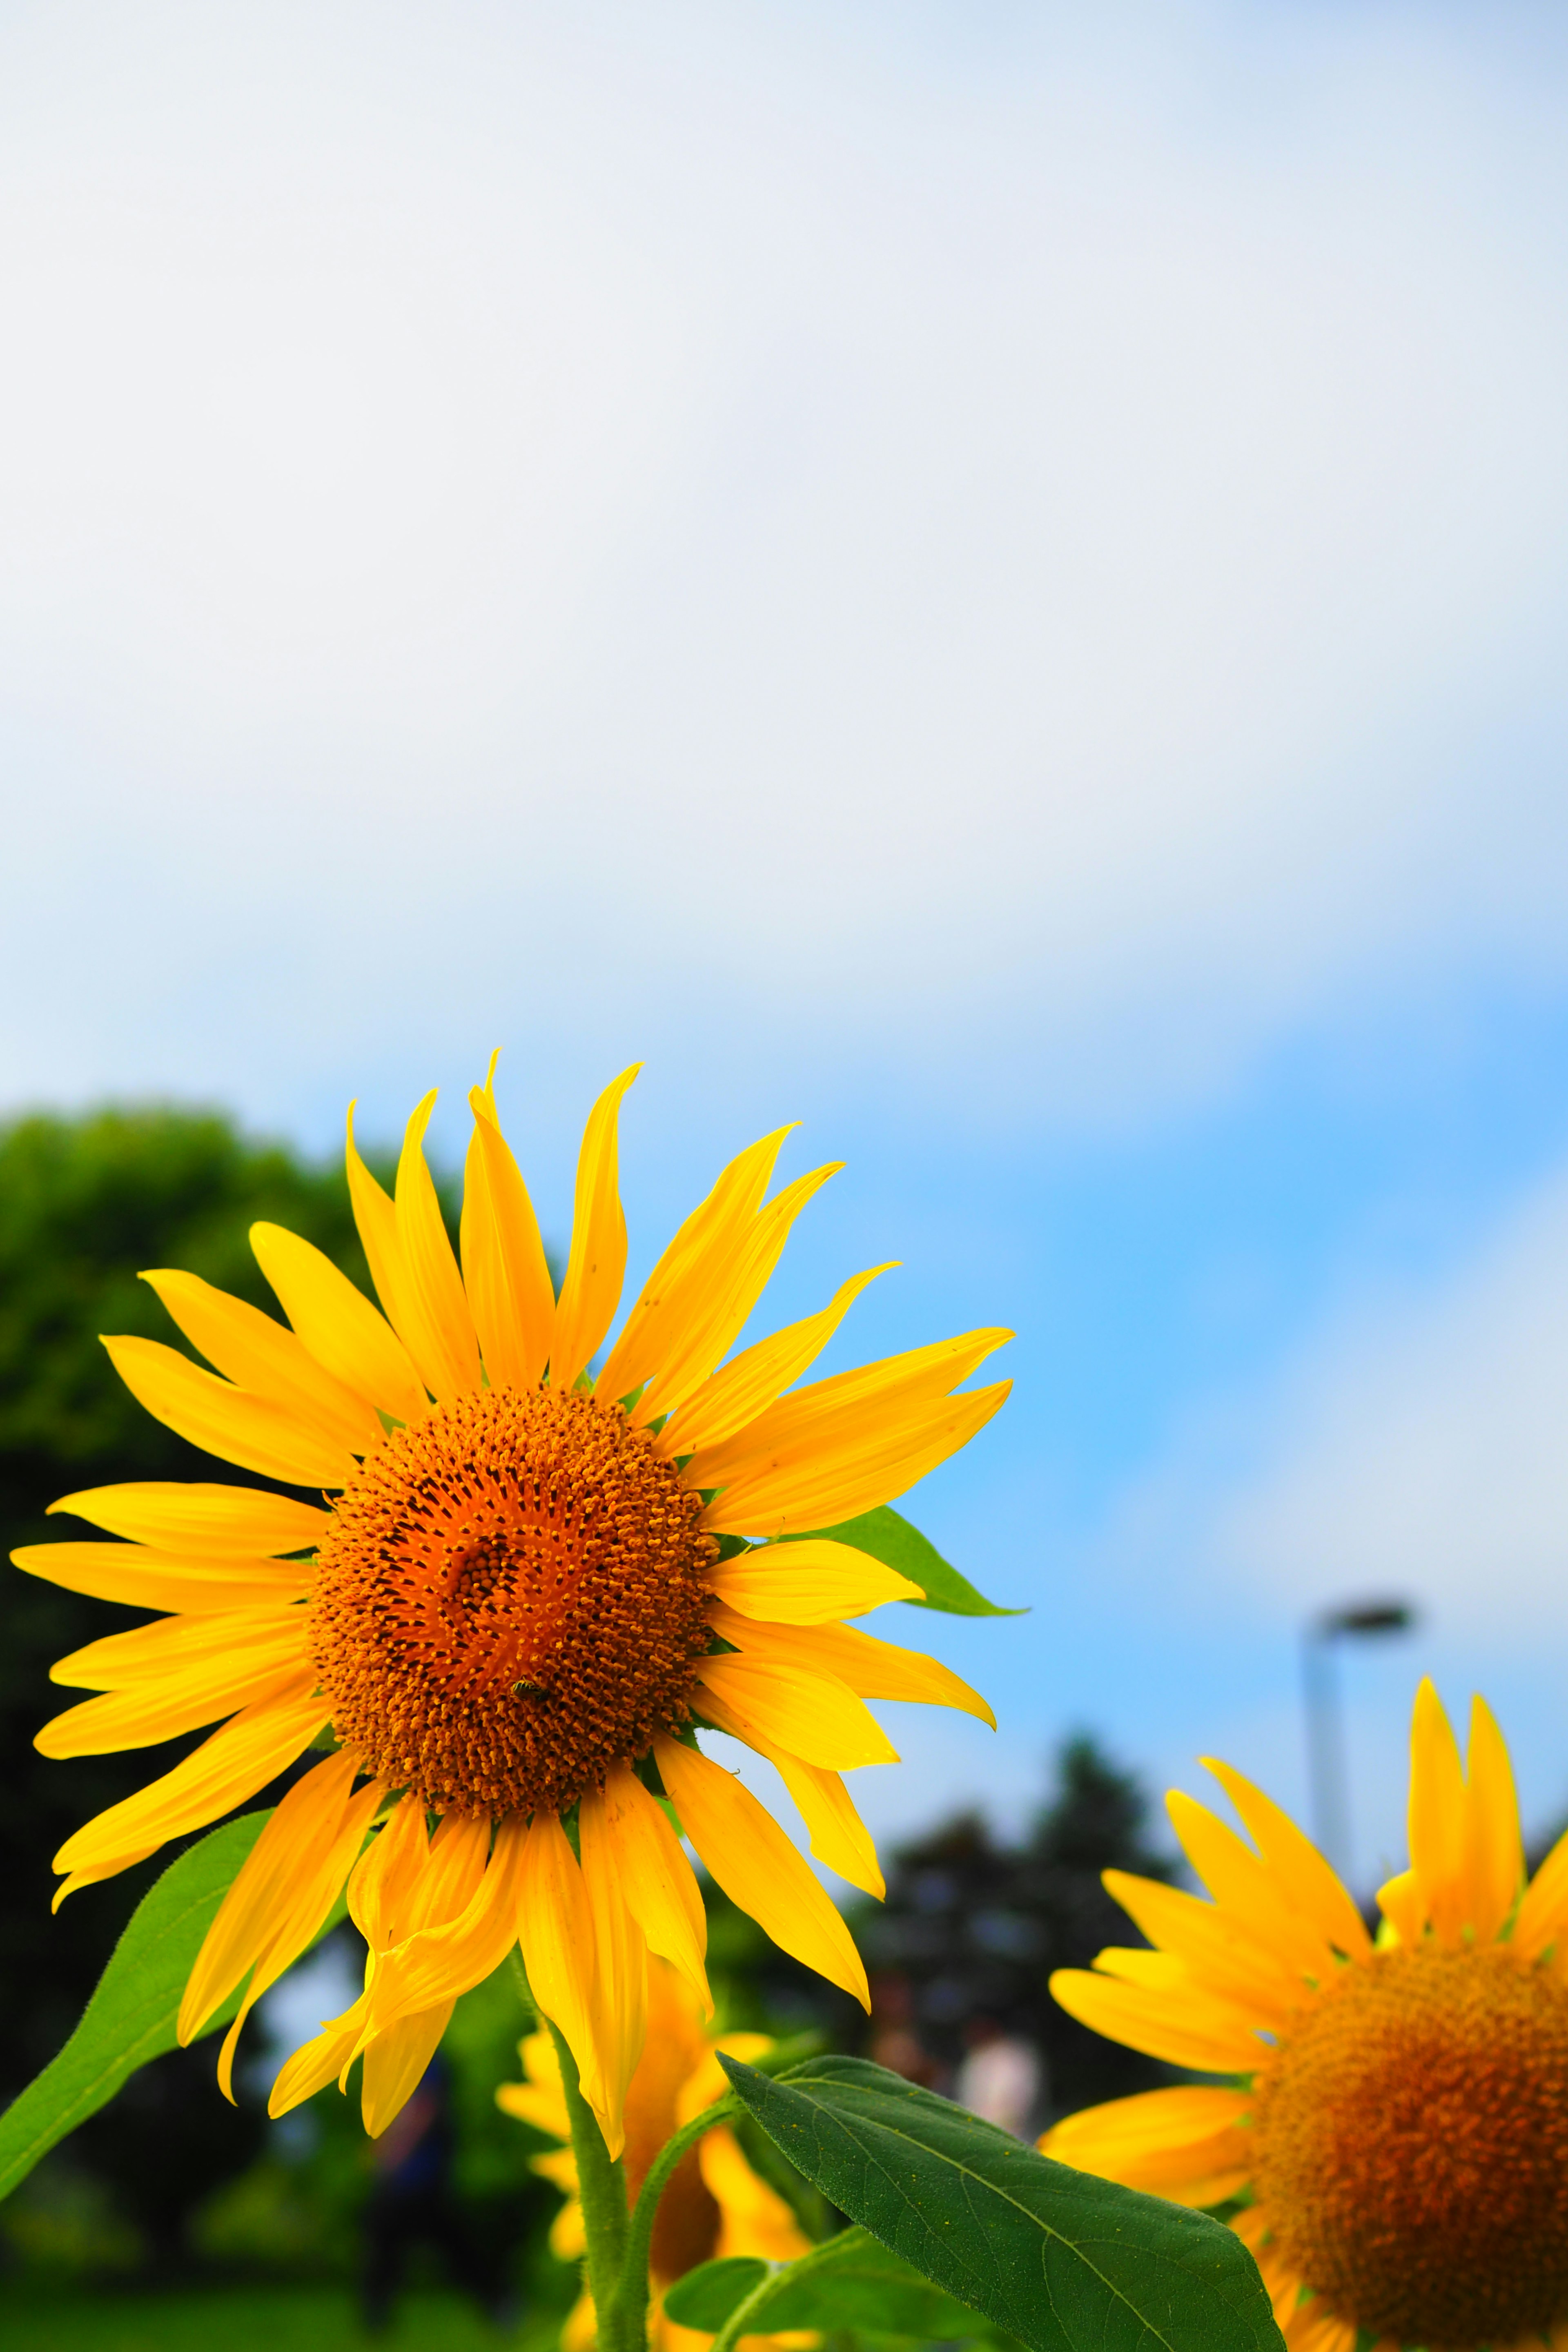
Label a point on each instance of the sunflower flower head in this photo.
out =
(522, 1592)
(715, 2205)
(1395, 2120)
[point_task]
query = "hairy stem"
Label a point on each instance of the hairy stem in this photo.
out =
(743, 2319)
(602, 2188)
(632, 2294)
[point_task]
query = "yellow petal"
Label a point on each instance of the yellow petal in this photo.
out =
(815, 1714)
(850, 1464)
(620, 1967)
(839, 1838)
(265, 1360)
(448, 1344)
(1309, 1882)
(504, 1266)
(1494, 1849)
(596, 1267)
(304, 1830)
(1177, 2023)
(1543, 1913)
(1219, 1954)
(1404, 1906)
(679, 1292)
(656, 1878)
(220, 1522)
(383, 1884)
(386, 1256)
(556, 1927)
(746, 1387)
(1175, 2143)
(759, 1868)
(395, 2066)
(321, 2062)
(250, 1430)
(1436, 1815)
(456, 1947)
(752, 2218)
(875, 1669)
(338, 1324)
(148, 1714)
(144, 1579)
(813, 1582)
(223, 1773)
(174, 1645)
(1248, 1888)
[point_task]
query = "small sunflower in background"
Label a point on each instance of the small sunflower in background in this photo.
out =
(1397, 2117)
(522, 1589)
(714, 2204)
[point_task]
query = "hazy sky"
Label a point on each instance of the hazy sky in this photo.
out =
(992, 578)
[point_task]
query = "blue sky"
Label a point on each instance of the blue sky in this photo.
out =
(990, 579)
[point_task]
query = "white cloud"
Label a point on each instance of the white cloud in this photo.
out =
(912, 543)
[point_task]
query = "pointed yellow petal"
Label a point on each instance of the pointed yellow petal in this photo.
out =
(173, 1645)
(847, 1464)
(1176, 2024)
(387, 1258)
(222, 1772)
(148, 1714)
(680, 1291)
(556, 1929)
(839, 1838)
(455, 1948)
(338, 1324)
(1436, 1815)
(818, 1715)
(504, 1266)
(810, 1584)
(395, 2066)
(875, 1669)
(1220, 1957)
(1175, 2143)
(1543, 1914)
(597, 1265)
(265, 1360)
(759, 1867)
(448, 1344)
(280, 1902)
(250, 1430)
(1404, 1906)
(656, 1878)
(319, 2063)
(383, 1884)
(144, 1579)
(1494, 1849)
(621, 1969)
(1245, 1887)
(748, 1385)
(1309, 1882)
(219, 1522)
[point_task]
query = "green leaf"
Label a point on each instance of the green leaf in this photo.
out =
(1060, 2260)
(891, 1539)
(851, 2281)
(131, 2017)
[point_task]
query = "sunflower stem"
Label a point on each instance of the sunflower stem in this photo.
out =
(743, 2319)
(601, 2191)
(632, 2295)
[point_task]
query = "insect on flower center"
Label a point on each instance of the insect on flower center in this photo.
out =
(1413, 2145)
(509, 1601)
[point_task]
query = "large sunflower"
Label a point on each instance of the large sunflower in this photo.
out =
(1396, 2116)
(520, 1589)
(714, 2204)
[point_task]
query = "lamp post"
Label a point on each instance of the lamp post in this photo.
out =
(1320, 1637)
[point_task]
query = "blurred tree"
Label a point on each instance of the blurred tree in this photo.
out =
(85, 1204)
(972, 1926)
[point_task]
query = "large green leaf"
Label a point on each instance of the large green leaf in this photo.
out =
(851, 2281)
(891, 1539)
(131, 2017)
(1061, 2260)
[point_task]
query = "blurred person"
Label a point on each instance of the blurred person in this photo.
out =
(413, 2203)
(1001, 2077)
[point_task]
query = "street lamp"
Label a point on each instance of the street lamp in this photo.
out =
(1325, 1720)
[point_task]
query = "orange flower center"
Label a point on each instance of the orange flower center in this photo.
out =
(1413, 2145)
(509, 1601)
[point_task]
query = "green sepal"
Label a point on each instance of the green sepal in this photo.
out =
(889, 1538)
(1060, 2259)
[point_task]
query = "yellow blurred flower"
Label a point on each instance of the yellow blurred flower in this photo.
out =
(1396, 2114)
(714, 2204)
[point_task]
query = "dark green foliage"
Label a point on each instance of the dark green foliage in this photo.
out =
(1062, 2261)
(972, 1925)
(85, 1204)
